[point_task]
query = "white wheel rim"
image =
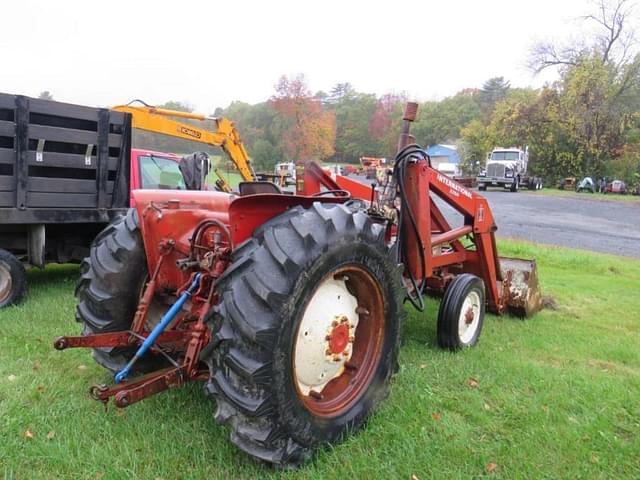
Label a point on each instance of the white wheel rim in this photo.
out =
(5, 281)
(469, 318)
(324, 342)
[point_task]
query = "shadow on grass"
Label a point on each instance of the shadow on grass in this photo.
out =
(53, 273)
(420, 327)
(51, 283)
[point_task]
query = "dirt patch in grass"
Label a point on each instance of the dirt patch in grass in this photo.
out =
(607, 366)
(549, 303)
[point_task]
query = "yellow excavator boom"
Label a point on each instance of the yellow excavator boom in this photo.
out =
(225, 135)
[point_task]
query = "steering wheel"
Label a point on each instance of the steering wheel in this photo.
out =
(335, 193)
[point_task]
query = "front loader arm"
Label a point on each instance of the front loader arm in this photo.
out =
(424, 258)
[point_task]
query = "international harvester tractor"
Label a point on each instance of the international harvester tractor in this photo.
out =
(289, 307)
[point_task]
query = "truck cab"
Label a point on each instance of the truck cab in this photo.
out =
(155, 170)
(285, 173)
(506, 167)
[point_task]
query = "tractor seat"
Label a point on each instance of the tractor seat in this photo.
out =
(253, 188)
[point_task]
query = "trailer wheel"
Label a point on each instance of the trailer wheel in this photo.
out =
(111, 279)
(306, 335)
(13, 279)
(461, 313)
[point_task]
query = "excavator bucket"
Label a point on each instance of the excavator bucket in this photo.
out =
(519, 288)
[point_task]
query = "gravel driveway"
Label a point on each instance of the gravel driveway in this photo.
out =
(579, 221)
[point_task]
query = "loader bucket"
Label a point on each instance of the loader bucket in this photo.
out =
(519, 289)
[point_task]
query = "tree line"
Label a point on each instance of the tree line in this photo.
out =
(587, 122)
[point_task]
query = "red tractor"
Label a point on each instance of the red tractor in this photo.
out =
(289, 307)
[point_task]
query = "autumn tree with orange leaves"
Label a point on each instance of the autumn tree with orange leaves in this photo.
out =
(384, 124)
(310, 130)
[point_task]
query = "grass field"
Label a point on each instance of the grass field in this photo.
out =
(557, 396)
(609, 197)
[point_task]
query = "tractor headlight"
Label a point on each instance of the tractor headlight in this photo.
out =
(508, 172)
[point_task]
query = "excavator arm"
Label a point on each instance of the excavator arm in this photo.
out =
(225, 136)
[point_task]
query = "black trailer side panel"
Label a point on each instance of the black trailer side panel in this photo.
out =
(21, 143)
(57, 156)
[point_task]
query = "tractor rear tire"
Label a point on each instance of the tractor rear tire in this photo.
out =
(111, 279)
(13, 279)
(266, 342)
(461, 313)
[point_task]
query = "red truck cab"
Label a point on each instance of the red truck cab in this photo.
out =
(154, 170)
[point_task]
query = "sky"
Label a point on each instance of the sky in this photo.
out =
(210, 53)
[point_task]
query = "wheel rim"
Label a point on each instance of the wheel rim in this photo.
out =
(469, 318)
(339, 340)
(6, 283)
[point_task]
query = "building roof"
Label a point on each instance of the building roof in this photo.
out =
(443, 150)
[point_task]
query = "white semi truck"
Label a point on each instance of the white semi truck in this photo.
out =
(507, 168)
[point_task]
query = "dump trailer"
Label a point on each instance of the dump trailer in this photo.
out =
(287, 307)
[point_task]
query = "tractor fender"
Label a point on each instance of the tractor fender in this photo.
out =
(249, 212)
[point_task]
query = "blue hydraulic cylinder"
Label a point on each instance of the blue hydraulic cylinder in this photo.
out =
(159, 328)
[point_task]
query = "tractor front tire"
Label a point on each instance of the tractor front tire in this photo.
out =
(306, 335)
(461, 313)
(13, 279)
(108, 291)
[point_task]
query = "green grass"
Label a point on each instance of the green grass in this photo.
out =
(609, 197)
(558, 396)
(233, 178)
